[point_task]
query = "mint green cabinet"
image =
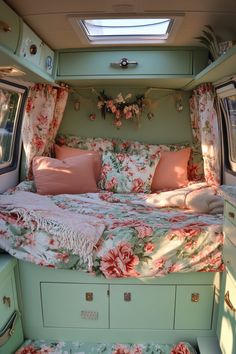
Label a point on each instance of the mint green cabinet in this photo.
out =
(148, 306)
(74, 305)
(103, 63)
(194, 306)
(9, 27)
(226, 328)
(9, 304)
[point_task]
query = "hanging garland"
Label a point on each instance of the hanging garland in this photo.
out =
(121, 107)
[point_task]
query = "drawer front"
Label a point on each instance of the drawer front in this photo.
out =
(229, 249)
(194, 305)
(164, 62)
(227, 317)
(9, 27)
(7, 300)
(142, 306)
(74, 305)
(230, 212)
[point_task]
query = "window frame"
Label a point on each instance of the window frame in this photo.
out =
(16, 139)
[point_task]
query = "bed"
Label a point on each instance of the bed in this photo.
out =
(163, 246)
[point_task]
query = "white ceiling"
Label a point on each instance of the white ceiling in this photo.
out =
(48, 18)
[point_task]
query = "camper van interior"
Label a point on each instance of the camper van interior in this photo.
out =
(117, 177)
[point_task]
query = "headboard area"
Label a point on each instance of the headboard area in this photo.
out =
(167, 125)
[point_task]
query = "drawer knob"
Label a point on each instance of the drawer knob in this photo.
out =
(89, 296)
(6, 300)
(231, 215)
(4, 27)
(124, 63)
(228, 302)
(127, 297)
(195, 297)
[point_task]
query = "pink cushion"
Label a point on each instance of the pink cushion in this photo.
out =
(63, 152)
(171, 171)
(73, 175)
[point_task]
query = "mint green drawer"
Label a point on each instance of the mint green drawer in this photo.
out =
(230, 213)
(194, 305)
(9, 39)
(150, 62)
(7, 300)
(74, 305)
(147, 306)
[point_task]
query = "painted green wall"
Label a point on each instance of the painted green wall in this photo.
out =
(167, 125)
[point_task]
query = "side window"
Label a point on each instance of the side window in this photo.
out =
(230, 122)
(11, 104)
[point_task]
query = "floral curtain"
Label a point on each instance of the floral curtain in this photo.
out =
(206, 131)
(43, 114)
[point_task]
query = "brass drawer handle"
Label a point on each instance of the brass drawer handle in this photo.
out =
(6, 300)
(228, 302)
(89, 296)
(195, 297)
(231, 214)
(127, 296)
(4, 27)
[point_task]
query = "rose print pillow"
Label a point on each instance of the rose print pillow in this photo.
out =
(124, 173)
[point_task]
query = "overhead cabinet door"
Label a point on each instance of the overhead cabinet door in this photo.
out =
(9, 27)
(107, 63)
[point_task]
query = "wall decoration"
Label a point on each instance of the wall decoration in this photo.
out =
(121, 107)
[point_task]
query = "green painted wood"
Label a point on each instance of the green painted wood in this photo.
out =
(65, 305)
(207, 345)
(93, 63)
(6, 290)
(190, 314)
(147, 306)
(10, 38)
(167, 125)
(226, 327)
(221, 68)
(32, 275)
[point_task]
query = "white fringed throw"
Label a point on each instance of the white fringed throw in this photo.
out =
(75, 232)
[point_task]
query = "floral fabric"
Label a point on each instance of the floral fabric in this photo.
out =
(125, 173)
(138, 241)
(43, 114)
(49, 347)
(195, 168)
(206, 132)
(84, 143)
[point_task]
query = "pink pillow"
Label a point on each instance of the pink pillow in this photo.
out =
(171, 171)
(63, 152)
(73, 175)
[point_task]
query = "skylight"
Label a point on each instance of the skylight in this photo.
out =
(126, 27)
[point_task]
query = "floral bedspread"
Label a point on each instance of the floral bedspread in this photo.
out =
(49, 347)
(138, 241)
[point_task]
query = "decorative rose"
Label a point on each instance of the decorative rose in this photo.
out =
(181, 348)
(119, 262)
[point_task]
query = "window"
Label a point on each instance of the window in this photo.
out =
(124, 30)
(230, 104)
(11, 98)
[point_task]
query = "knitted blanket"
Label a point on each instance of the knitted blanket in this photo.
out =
(75, 232)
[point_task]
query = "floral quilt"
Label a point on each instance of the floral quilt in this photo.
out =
(138, 241)
(49, 347)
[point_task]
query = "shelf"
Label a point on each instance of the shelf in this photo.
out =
(221, 68)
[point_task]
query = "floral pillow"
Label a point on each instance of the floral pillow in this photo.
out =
(85, 143)
(124, 173)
